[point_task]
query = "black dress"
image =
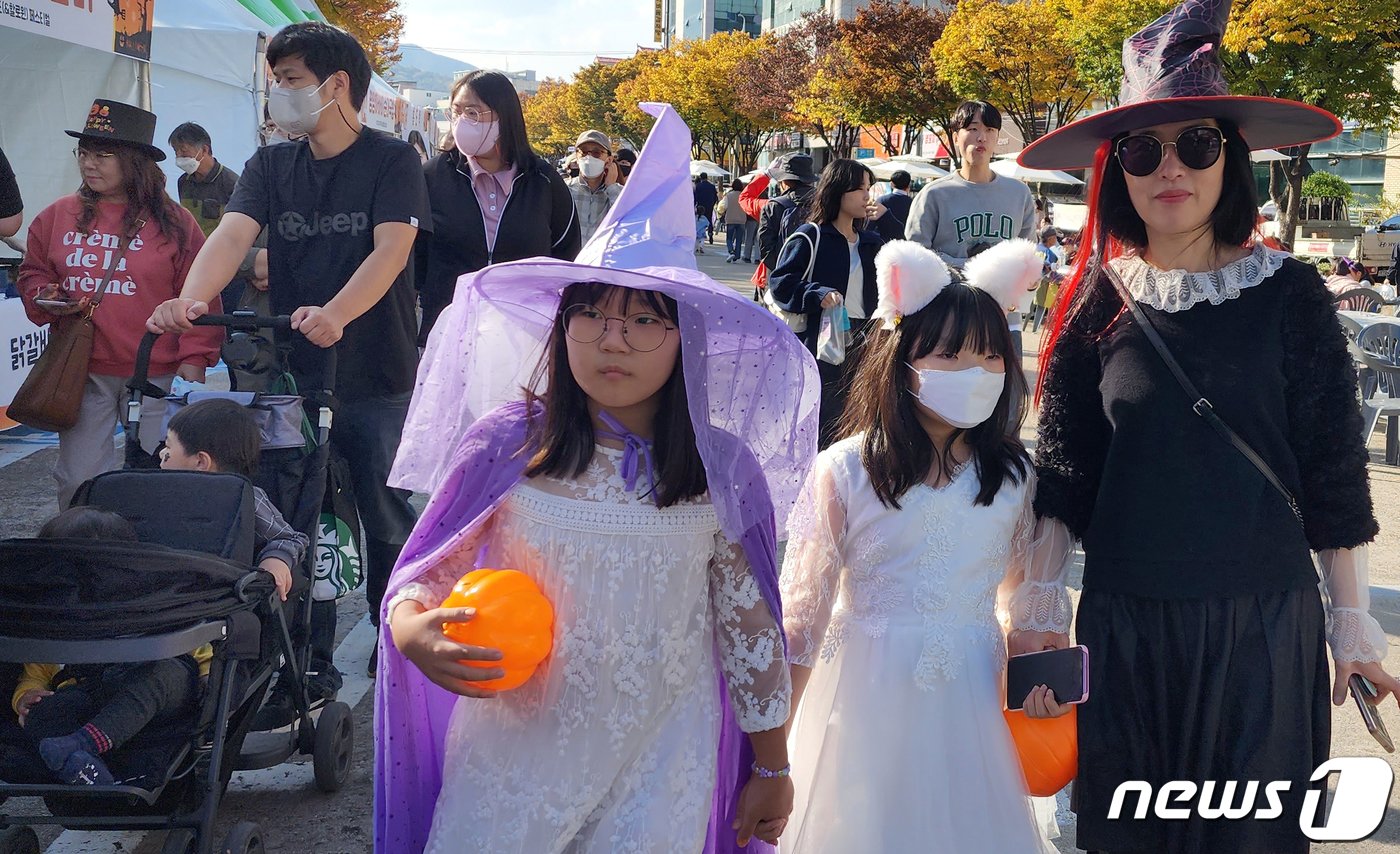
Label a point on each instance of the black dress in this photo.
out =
(1200, 605)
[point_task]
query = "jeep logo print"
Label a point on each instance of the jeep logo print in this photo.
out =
(292, 226)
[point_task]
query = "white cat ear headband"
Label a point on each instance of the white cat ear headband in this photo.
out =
(909, 276)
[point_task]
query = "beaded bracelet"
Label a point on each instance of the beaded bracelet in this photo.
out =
(769, 774)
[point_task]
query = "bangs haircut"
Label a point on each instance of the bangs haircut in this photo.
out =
(225, 431)
(975, 111)
(324, 50)
(561, 443)
(897, 452)
(838, 178)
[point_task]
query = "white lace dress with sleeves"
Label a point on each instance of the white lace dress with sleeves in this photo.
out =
(611, 745)
(899, 743)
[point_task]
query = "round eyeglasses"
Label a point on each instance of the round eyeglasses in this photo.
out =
(1196, 148)
(587, 324)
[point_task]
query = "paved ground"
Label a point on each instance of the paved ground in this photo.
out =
(297, 818)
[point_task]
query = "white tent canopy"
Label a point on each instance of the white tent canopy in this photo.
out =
(1009, 168)
(917, 169)
(707, 167)
(205, 67)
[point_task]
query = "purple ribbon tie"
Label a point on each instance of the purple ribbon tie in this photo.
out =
(632, 447)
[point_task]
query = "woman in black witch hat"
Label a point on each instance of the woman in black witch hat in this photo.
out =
(1200, 606)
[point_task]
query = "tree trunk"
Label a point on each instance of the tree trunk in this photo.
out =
(1296, 169)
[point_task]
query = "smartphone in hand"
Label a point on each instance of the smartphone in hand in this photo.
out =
(1065, 671)
(1365, 695)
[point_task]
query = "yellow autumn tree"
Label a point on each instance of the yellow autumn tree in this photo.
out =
(377, 24)
(1096, 31)
(1017, 55)
(699, 78)
(1333, 54)
(548, 121)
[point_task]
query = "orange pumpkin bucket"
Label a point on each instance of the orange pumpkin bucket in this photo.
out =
(512, 615)
(1048, 747)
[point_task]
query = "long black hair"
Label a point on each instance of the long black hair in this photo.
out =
(494, 90)
(561, 443)
(897, 452)
(838, 178)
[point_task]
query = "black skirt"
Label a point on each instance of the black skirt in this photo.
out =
(1200, 689)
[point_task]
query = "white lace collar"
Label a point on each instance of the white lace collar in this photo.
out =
(1177, 290)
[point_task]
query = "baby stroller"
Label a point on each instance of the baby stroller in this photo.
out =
(190, 581)
(293, 470)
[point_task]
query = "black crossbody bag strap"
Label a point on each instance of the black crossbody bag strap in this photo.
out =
(1201, 406)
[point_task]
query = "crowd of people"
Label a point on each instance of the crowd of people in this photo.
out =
(643, 442)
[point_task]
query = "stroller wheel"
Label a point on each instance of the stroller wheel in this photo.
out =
(243, 838)
(181, 841)
(335, 742)
(19, 840)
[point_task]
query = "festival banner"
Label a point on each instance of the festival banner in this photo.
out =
(122, 27)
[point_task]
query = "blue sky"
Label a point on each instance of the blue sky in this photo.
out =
(459, 28)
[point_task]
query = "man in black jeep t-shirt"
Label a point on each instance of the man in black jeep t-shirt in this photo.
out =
(342, 208)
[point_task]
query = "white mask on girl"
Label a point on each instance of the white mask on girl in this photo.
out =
(474, 139)
(296, 111)
(963, 398)
(591, 167)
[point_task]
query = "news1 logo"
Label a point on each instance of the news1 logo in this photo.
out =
(1358, 807)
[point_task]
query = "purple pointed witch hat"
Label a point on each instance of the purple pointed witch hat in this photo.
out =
(1172, 73)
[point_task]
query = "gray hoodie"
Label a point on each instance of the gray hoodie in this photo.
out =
(952, 215)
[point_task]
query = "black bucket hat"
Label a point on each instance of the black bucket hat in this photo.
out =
(796, 167)
(1172, 73)
(121, 124)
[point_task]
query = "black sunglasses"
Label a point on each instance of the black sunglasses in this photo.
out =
(1196, 148)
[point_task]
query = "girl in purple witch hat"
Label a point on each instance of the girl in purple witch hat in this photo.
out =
(633, 473)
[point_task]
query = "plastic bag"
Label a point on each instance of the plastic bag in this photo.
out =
(834, 336)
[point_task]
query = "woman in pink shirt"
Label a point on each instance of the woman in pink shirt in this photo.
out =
(75, 249)
(493, 198)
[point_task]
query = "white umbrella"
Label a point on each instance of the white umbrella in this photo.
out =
(915, 169)
(1011, 169)
(748, 178)
(1264, 155)
(706, 167)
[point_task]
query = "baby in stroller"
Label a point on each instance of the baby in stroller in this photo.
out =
(75, 714)
(221, 436)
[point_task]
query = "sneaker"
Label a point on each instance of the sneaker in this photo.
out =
(279, 711)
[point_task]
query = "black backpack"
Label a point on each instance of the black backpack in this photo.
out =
(795, 213)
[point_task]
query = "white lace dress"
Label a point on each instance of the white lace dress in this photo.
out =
(611, 746)
(899, 743)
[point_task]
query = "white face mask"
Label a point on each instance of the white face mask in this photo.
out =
(296, 111)
(475, 138)
(590, 167)
(187, 164)
(963, 398)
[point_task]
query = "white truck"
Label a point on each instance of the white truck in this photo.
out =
(1325, 231)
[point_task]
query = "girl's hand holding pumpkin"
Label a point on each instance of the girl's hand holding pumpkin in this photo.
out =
(417, 633)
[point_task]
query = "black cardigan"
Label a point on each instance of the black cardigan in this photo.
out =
(1164, 506)
(830, 273)
(538, 220)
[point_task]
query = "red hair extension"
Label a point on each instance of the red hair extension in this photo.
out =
(1095, 247)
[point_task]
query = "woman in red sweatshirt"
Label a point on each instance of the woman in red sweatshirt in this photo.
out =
(73, 243)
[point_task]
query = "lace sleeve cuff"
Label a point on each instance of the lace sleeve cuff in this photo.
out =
(1354, 635)
(420, 593)
(1041, 606)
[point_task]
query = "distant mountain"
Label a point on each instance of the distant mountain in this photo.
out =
(430, 70)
